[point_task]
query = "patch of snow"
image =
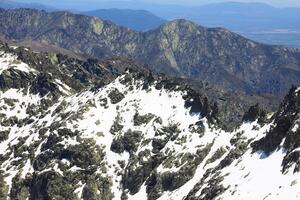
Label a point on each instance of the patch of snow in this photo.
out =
(56, 169)
(27, 169)
(79, 190)
(260, 177)
(142, 194)
(65, 89)
(75, 168)
(8, 60)
(295, 128)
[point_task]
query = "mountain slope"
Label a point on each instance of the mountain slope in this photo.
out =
(100, 130)
(258, 21)
(179, 48)
(139, 20)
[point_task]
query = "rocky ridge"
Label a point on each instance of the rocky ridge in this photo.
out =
(79, 74)
(111, 129)
(178, 48)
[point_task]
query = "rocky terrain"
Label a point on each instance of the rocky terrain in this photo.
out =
(139, 20)
(111, 129)
(178, 48)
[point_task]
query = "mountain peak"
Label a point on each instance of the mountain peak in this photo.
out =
(178, 48)
(181, 24)
(139, 20)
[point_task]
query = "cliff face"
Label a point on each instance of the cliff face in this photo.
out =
(178, 48)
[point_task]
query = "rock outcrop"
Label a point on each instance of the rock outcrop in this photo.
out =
(114, 130)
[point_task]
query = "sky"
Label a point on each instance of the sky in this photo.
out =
(281, 3)
(199, 2)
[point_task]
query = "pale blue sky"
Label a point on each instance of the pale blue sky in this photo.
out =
(182, 2)
(273, 2)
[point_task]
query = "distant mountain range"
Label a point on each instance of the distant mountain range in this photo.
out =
(179, 48)
(236, 16)
(6, 4)
(249, 19)
(140, 20)
(257, 21)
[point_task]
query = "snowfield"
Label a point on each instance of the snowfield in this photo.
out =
(128, 141)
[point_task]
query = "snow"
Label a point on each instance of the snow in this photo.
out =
(251, 177)
(297, 90)
(56, 169)
(249, 131)
(18, 110)
(9, 178)
(142, 194)
(260, 177)
(8, 61)
(295, 128)
(75, 168)
(27, 169)
(65, 89)
(219, 140)
(65, 161)
(69, 142)
(144, 102)
(79, 190)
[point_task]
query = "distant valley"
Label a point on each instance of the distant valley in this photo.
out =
(289, 38)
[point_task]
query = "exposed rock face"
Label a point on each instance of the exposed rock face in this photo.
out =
(93, 130)
(179, 48)
(78, 74)
(286, 124)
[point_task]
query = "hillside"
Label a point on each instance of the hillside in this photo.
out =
(258, 21)
(139, 20)
(179, 48)
(74, 129)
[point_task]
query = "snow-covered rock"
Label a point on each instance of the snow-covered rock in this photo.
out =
(136, 137)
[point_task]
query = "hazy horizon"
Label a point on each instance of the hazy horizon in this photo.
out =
(280, 3)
